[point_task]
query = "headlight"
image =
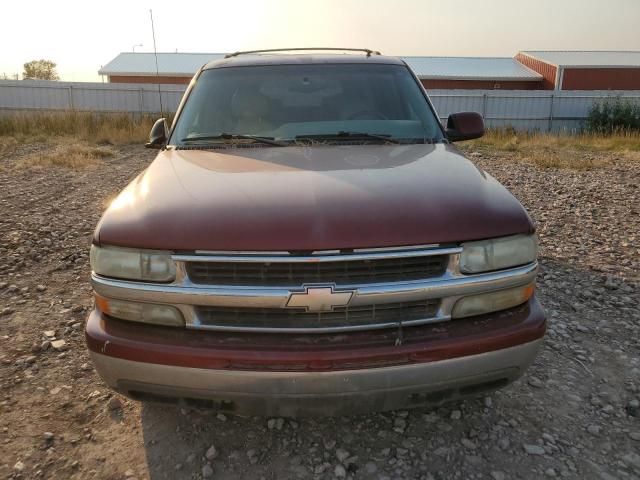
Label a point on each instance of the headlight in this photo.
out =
(141, 312)
(132, 264)
(492, 301)
(498, 253)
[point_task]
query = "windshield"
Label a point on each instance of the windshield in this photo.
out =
(319, 102)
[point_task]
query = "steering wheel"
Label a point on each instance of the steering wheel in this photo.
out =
(367, 115)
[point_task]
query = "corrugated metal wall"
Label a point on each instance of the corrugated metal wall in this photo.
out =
(85, 96)
(601, 78)
(526, 110)
(442, 84)
(150, 79)
(521, 109)
(547, 70)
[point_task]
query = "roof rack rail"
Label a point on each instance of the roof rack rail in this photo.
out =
(247, 52)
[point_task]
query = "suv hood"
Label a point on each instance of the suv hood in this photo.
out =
(310, 198)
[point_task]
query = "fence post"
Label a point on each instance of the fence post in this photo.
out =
(551, 113)
(141, 103)
(484, 105)
(70, 97)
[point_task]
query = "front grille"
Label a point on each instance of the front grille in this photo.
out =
(274, 274)
(294, 318)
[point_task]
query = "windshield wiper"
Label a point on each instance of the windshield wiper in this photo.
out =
(233, 136)
(350, 135)
(427, 141)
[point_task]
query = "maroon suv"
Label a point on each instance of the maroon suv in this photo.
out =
(309, 241)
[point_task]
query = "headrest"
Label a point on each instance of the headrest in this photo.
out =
(247, 102)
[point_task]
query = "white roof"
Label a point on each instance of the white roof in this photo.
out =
(471, 68)
(169, 64)
(456, 68)
(587, 58)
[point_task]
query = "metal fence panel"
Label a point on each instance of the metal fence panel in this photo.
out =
(122, 100)
(85, 96)
(446, 103)
(14, 95)
(521, 109)
(526, 109)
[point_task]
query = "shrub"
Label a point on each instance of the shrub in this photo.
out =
(613, 116)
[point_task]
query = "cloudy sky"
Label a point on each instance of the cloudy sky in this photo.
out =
(83, 35)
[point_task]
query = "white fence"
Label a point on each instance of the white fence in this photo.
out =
(84, 96)
(543, 110)
(520, 109)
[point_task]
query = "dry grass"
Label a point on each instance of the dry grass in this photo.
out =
(68, 155)
(513, 141)
(94, 128)
(8, 145)
(72, 139)
(71, 134)
(579, 151)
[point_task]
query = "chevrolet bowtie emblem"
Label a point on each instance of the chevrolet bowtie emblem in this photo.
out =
(319, 299)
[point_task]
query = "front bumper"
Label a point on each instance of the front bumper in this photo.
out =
(292, 375)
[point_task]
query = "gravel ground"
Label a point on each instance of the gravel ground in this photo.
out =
(574, 415)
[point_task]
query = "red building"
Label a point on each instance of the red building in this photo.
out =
(585, 70)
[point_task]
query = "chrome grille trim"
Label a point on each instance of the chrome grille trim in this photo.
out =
(186, 295)
(277, 297)
(347, 257)
(333, 251)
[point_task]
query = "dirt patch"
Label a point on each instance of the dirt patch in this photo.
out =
(575, 414)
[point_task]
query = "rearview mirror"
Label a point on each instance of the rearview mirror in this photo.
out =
(464, 126)
(158, 135)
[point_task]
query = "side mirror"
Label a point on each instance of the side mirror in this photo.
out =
(158, 135)
(464, 126)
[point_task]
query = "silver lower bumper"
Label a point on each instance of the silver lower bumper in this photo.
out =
(320, 393)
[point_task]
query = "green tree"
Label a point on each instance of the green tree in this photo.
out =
(40, 70)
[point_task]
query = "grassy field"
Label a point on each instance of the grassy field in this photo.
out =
(75, 135)
(77, 139)
(575, 151)
(100, 129)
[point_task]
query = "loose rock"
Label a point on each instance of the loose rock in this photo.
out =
(59, 345)
(114, 403)
(211, 453)
(534, 449)
(340, 471)
(207, 471)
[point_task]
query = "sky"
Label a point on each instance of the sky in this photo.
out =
(81, 36)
